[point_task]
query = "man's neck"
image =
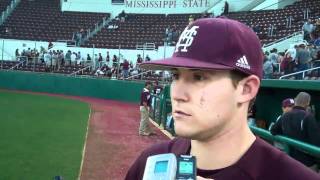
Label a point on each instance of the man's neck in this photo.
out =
(224, 150)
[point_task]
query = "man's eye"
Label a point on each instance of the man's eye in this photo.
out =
(198, 77)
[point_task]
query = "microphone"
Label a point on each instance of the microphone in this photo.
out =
(169, 167)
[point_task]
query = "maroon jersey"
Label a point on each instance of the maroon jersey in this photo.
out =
(261, 162)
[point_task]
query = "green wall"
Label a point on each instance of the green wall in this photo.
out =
(76, 86)
(272, 92)
(268, 102)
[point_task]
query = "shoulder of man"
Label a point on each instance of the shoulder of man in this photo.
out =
(271, 163)
(285, 167)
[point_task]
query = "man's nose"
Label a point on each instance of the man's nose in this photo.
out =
(179, 91)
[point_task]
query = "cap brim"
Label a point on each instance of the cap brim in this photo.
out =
(182, 62)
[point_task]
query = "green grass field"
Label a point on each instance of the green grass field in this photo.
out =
(41, 136)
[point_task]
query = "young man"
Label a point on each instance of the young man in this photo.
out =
(217, 67)
(286, 106)
(145, 102)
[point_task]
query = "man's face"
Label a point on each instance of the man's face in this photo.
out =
(286, 109)
(203, 102)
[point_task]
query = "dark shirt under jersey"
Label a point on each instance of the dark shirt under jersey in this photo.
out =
(261, 162)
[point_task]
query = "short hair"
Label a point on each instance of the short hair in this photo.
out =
(147, 83)
(302, 99)
(237, 76)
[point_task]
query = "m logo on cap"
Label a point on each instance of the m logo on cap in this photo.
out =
(186, 38)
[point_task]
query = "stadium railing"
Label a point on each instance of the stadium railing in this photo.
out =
(299, 72)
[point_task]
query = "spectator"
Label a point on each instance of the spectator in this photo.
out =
(122, 16)
(50, 45)
(54, 60)
(299, 125)
(147, 58)
(293, 51)
(47, 59)
(88, 57)
(303, 59)
(108, 57)
(125, 68)
(79, 58)
(287, 106)
(267, 68)
(285, 64)
(68, 58)
(17, 55)
(139, 59)
(145, 103)
(307, 29)
(61, 59)
(73, 59)
(114, 61)
(100, 59)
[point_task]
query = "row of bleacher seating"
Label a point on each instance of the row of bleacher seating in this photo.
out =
(43, 20)
(150, 31)
(4, 4)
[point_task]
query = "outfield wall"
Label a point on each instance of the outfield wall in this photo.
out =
(59, 84)
(268, 102)
(272, 92)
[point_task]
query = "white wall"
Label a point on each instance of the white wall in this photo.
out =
(8, 50)
(273, 4)
(267, 4)
(139, 6)
(283, 45)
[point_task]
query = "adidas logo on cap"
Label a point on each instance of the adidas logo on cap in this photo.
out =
(243, 63)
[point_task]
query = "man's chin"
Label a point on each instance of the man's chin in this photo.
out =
(185, 134)
(193, 135)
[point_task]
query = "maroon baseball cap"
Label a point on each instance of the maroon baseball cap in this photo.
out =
(289, 102)
(215, 43)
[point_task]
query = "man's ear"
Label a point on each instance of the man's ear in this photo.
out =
(248, 88)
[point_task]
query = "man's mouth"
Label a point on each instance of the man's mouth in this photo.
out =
(180, 113)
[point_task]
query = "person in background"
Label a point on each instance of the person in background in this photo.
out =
(125, 68)
(145, 102)
(267, 68)
(300, 125)
(287, 106)
(147, 58)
